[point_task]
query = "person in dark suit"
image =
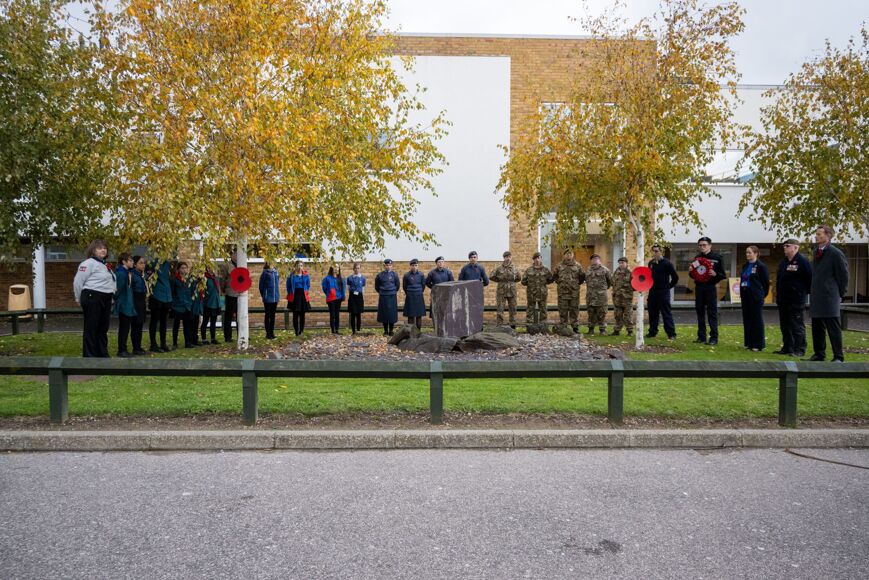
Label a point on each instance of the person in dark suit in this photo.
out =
(753, 288)
(664, 279)
(792, 284)
(829, 284)
(413, 284)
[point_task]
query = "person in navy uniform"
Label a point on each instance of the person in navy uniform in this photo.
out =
(664, 279)
(706, 293)
(793, 281)
(356, 297)
(210, 306)
(334, 288)
(473, 271)
(829, 285)
(413, 284)
(270, 290)
(753, 288)
(94, 288)
(182, 306)
(386, 284)
(438, 275)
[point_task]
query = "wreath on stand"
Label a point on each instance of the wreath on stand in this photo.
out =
(701, 270)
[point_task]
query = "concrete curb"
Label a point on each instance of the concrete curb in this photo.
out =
(429, 439)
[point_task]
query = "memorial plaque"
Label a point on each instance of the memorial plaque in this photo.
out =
(457, 308)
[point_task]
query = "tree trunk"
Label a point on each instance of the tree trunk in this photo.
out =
(639, 329)
(242, 319)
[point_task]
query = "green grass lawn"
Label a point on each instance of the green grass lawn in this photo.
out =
(707, 398)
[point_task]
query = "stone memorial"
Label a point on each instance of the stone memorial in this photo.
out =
(457, 308)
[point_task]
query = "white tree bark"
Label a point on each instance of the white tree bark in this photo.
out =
(639, 329)
(242, 318)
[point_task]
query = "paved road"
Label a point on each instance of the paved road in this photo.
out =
(435, 514)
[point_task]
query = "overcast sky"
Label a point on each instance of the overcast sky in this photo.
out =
(779, 34)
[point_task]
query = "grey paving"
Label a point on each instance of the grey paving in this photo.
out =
(435, 514)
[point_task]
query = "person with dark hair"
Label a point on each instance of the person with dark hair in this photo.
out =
(473, 271)
(753, 288)
(182, 304)
(664, 279)
(707, 270)
(140, 293)
(438, 275)
(333, 288)
(413, 284)
(230, 296)
(792, 285)
(210, 306)
(829, 285)
(506, 275)
(269, 289)
(387, 284)
(298, 300)
(124, 307)
(356, 297)
(159, 279)
(94, 288)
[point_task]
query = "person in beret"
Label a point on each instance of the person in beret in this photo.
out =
(387, 284)
(506, 275)
(793, 281)
(413, 284)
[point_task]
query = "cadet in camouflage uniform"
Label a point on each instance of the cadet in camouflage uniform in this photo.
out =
(623, 297)
(569, 276)
(597, 281)
(506, 275)
(536, 279)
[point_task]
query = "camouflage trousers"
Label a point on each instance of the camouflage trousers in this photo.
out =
(536, 313)
(510, 302)
(568, 310)
(597, 316)
(624, 317)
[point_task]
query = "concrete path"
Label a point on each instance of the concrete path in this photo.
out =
(435, 514)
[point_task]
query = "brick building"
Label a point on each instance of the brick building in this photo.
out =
(487, 85)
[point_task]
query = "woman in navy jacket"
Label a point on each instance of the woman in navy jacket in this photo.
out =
(386, 285)
(413, 284)
(269, 289)
(298, 300)
(753, 288)
(333, 288)
(355, 297)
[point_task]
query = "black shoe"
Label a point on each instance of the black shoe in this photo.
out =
(798, 354)
(700, 341)
(630, 333)
(155, 349)
(590, 331)
(214, 342)
(816, 358)
(616, 333)
(139, 352)
(191, 345)
(712, 342)
(841, 360)
(782, 351)
(671, 338)
(651, 335)
(125, 354)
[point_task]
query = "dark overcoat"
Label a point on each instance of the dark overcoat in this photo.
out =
(829, 282)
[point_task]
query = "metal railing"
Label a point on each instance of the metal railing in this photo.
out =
(250, 371)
